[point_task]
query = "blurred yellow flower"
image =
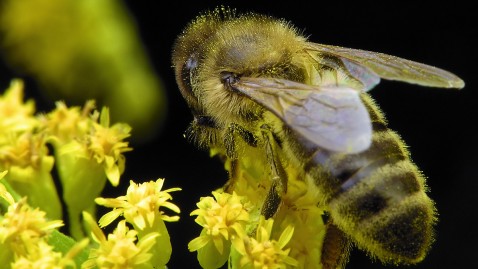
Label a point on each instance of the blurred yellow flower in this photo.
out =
(4, 193)
(64, 124)
(42, 255)
(60, 43)
(15, 114)
(24, 153)
(18, 144)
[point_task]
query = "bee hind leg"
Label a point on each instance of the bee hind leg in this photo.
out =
(335, 249)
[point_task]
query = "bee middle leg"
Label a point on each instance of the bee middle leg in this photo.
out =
(278, 175)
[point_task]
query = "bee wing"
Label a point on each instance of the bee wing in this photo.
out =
(332, 117)
(389, 67)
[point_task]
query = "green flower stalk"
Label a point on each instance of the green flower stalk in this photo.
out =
(37, 184)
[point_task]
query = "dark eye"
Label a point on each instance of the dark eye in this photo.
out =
(228, 78)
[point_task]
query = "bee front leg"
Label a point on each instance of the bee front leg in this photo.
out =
(230, 142)
(278, 175)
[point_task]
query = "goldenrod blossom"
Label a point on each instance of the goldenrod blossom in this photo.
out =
(141, 206)
(85, 162)
(107, 146)
(263, 252)
(15, 115)
(309, 232)
(24, 153)
(23, 226)
(65, 124)
(221, 218)
(84, 48)
(42, 255)
(120, 249)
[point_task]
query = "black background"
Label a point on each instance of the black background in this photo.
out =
(438, 124)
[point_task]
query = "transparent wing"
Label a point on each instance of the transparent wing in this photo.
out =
(388, 67)
(333, 117)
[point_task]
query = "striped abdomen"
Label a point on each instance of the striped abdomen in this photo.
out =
(377, 197)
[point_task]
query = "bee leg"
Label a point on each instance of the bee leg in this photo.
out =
(278, 176)
(233, 175)
(335, 248)
(234, 130)
(230, 142)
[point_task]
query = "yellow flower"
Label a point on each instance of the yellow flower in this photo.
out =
(23, 226)
(102, 144)
(22, 149)
(67, 123)
(42, 255)
(224, 217)
(15, 115)
(262, 252)
(103, 59)
(119, 249)
(26, 157)
(141, 204)
(24, 153)
(85, 162)
(309, 232)
(107, 146)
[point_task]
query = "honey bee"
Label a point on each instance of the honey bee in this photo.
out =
(253, 82)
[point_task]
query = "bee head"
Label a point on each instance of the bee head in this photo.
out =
(219, 48)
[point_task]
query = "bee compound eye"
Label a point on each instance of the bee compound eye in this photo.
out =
(229, 78)
(187, 68)
(191, 63)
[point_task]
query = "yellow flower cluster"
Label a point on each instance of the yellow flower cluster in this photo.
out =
(63, 42)
(235, 231)
(222, 218)
(228, 233)
(141, 208)
(24, 235)
(119, 249)
(23, 151)
(87, 151)
(263, 251)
